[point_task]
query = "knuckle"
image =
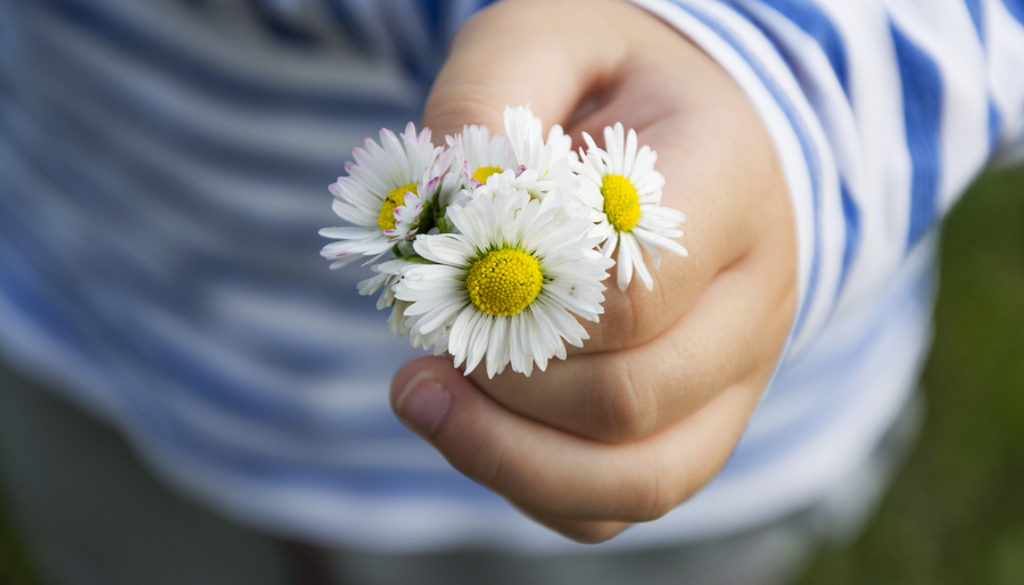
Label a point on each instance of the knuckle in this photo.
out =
(462, 101)
(618, 324)
(650, 498)
(621, 409)
(487, 463)
(636, 315)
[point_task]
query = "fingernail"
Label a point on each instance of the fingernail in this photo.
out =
(423, 404)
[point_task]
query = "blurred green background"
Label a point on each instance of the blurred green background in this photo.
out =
(955, 512)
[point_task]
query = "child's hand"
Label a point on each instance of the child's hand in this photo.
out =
(648, 411)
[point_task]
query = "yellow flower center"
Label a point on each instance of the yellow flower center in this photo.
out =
(621, 202)
(394, 199)
(504, 282)
(482, 173)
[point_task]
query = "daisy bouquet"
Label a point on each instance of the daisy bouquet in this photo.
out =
(493, 247)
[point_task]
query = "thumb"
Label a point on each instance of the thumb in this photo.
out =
(550, 54)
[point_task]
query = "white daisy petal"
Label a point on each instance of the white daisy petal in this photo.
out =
(497, 298)
(442, 248)
(385, 193)
(460, 334)
(624, 267)
(480, 328)
(623, 191)
(638, 263)
(501, 243)
(477, 156)
(654, 239)
(497, 347)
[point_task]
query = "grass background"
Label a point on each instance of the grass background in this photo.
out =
(955, 512)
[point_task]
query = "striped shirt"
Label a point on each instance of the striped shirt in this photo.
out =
(162, 179)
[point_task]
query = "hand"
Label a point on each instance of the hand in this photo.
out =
(648, 411)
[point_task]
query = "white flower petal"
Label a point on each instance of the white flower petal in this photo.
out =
(625, 262)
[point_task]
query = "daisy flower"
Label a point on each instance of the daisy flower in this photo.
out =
(505, 288)
(620, 184)
(548, 163)
(387, 275)
(384, 195)
(478, 156)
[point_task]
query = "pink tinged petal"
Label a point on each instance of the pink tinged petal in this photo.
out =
(346, 247)
(467, 176)
(341, 262)
(339, 250)
(406, 216)
(430, 187)
(388, 140)
(346, 232)
(375, 258)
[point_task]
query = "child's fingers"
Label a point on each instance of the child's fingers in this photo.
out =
(719, 170)
(701, 130)
(656, 356)
(504, 56)
(737, 325)
(561, 477)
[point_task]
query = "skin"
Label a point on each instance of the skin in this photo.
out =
(648, 411)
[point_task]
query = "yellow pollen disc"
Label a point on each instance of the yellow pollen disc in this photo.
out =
(482, 173)
(395, 198)
(504, 282)
(621, 202)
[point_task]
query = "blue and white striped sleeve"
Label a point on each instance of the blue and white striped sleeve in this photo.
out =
(882, 113)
